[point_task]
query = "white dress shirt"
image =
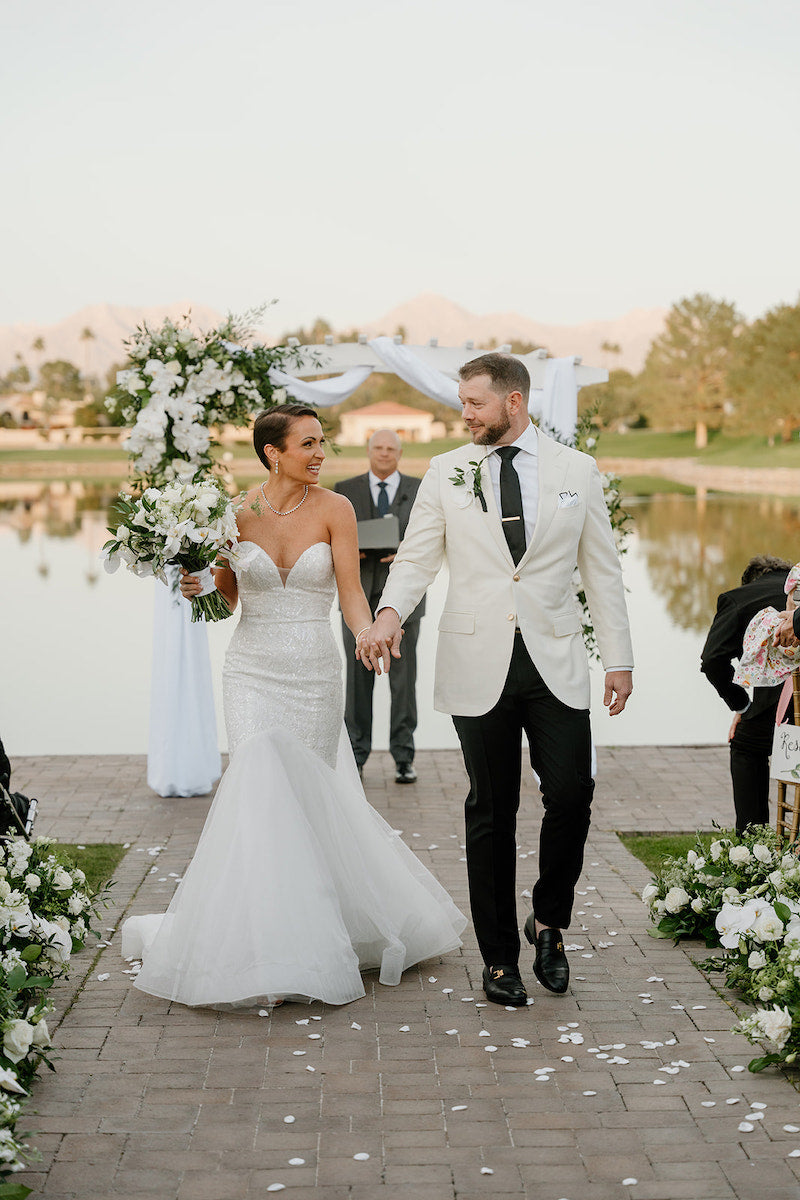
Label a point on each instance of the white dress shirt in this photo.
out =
(526, 464)
(392, 484)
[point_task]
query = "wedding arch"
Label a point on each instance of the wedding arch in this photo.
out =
(183, 756)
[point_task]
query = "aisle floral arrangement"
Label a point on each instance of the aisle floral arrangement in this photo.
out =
(45, 911)
(742, 895)
(185, 524)
(180, 386)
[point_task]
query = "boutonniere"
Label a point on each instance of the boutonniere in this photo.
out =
(471, 479)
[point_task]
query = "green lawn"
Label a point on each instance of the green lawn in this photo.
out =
(722, 449)
(653, 848)
(653, 485)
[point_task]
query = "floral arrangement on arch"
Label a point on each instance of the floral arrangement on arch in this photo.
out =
(180, 385)
(585, 439)
(45, 915)
(742, 895)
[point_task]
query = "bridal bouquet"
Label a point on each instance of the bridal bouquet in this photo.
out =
(188, 524)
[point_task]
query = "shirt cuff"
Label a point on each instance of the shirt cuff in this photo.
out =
(618, 669)
(741, 711)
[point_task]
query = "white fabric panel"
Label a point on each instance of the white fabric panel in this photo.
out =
(182, 754)
(322, 393)
(405, 363)
(556, 404)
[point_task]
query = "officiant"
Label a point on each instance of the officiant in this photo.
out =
(382, 498)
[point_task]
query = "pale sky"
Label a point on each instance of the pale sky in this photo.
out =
(568, 160)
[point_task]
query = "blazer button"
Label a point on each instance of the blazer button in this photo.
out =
(516, 579)
(512, 616)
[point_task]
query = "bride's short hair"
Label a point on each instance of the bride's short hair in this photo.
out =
(272, 426)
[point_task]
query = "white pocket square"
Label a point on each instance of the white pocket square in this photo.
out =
(568, 499)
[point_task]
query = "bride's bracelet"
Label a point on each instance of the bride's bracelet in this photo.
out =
(366, 629)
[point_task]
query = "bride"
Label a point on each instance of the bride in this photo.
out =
(297, 884)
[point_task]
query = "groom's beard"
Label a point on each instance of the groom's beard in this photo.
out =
(490, 435)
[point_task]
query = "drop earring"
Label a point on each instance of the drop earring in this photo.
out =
(276, 468)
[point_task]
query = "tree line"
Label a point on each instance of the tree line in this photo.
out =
(711, 370)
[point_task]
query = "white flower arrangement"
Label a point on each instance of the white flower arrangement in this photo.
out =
(743, 897)
(40, 928)
(181, 384)
(189, 524)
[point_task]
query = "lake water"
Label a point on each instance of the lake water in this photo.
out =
(76, 643)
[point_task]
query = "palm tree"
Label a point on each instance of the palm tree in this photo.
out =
(37, 345)
(87, 337)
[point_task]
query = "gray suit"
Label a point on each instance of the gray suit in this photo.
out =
(403, 675)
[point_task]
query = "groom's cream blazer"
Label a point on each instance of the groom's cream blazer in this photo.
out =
(489, 597)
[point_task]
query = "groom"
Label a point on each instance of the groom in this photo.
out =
(514, 514)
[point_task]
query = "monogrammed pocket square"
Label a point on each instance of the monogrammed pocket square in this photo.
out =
(567, 499)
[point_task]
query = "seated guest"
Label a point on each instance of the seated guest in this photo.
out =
(750, 734)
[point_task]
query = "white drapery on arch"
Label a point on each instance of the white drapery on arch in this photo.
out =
(184, 761)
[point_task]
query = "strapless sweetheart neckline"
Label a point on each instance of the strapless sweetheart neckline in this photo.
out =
(284, 572)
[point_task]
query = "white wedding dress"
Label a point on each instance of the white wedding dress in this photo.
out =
(297, 884)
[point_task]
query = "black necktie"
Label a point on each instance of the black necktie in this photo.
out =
(383, 498)
(511, 502)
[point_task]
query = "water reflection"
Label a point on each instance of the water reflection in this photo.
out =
(697, 546)
(75, 511)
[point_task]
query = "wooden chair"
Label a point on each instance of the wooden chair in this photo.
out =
(787, 825)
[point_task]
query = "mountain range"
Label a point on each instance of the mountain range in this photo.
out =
(427, 316)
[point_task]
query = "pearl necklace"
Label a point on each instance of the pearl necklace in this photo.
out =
(277, 511)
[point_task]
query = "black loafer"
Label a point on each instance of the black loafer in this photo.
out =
(503, 985)
(405, 773)
(550, 965)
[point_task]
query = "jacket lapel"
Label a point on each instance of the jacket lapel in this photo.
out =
(552, 469)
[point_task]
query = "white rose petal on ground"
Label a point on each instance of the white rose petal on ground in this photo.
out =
(757, 1104)
(629, 1182)
(355, 1025)
(793, 1154)
(458, 1108)
(298, 1053)
(311, 1068)
(487, 1171)
(102, 978)
(490, 1049)
(296, 1162)
(733, 1100)
(277, 1187)
(708, 1103)
(450, 1032)
(590, 1093)
(737, 1069)
(745, 1127)
(656, 1082)
(402, 1029)
(361, 1157)
(288, 1120)
(791, 1129)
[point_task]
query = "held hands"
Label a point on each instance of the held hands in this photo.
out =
(376, 646)
(784, 634)
(619, 685)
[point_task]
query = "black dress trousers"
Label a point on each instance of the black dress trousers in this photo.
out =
(560, 752)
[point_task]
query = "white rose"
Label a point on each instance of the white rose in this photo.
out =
(761, 852)
(649, 892)
(59, 947)
(692, 857)
(41, 1035)
(79, 877)
(715, 850)
(730, 895)
(17, 1038)
(279, 395)
(767, 926)
(776, 1024)
(75, 906)
(788, 862)
(32, 881)
(739, 855)
(757, 960)
(658, 908)
(765, 993)
(697, 905)
(676, 899)
(62, 880)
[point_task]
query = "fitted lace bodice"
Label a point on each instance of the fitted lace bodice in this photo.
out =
(283, 667)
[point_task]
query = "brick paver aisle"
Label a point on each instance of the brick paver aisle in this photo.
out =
(631, 1085)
